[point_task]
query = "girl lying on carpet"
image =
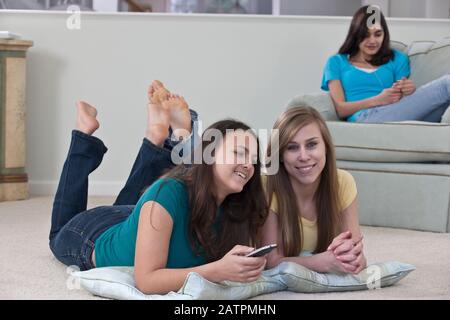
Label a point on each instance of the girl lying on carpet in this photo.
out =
(191, 220)
(313, 205)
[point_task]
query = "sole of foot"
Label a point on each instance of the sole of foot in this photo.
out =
(86, 118)
(180, 117)
(158, 123)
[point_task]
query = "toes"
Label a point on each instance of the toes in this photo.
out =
(157, 84)
(86, 108)
(151, 91)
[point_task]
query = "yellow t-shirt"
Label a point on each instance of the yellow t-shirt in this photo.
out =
(347, 194)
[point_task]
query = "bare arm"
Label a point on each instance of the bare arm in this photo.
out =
(345, 109)
(323, 262)
(346, 250)
(152, 249)
(351, 220)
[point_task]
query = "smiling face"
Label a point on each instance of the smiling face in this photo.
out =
(234, 162)
(304, 157)
(373, 41)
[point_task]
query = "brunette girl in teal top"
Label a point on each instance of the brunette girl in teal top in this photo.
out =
(202, 218)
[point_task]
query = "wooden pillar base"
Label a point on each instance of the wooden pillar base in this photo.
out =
(13, 187)
(13, 177)
(13, 191)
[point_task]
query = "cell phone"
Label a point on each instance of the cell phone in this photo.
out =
(262, 251)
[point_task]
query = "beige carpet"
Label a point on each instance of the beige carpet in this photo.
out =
(29, 271)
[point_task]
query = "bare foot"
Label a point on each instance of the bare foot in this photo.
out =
(180, 117)
(158, 123)
(86, 118)
(157, 92)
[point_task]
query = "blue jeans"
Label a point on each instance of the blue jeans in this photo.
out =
(74, 229)
(428, 103)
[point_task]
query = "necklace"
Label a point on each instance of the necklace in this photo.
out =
(370, 67)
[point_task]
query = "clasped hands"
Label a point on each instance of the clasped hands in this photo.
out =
(401, 88)
(347, 254)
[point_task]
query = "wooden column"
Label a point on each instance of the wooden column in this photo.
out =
(13, 177)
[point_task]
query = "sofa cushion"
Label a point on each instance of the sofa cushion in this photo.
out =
(429, 60)
(320, 101)
(400, 46)
(411, 141)
(402, 195)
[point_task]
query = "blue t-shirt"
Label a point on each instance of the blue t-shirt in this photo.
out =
(116, 246)
(358, 84)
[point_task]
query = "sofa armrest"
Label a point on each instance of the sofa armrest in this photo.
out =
(320, 101)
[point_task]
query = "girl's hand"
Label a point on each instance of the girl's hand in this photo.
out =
(407, 86)
(360, 263)
(348, 251)
(328, 263)
(235, 266)
(354, 256)
(389, 95)
(341, 238)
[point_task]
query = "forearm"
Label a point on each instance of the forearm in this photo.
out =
(310, 262)
(163, 281)
(346, 109)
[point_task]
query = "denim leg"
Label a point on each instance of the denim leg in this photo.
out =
(169, 144)
(436, 115)
(421, 105)
(85, 155)
(74, 244)
(151, 162)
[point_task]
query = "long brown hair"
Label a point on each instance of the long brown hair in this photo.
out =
(326, 197)
(243, 214)
(358, 32)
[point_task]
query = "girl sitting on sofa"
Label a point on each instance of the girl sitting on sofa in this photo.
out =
(199, 219)
(313, 205)
(368, 81)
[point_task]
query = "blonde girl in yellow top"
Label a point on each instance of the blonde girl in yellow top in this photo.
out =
(313, 205)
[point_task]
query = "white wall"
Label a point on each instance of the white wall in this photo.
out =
(383, 4)
(319, 7)
(246, 67)
(407, 8)
(437, 8)
(106, 5)
(420, 8)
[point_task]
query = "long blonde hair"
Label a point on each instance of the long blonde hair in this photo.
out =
(326, 197)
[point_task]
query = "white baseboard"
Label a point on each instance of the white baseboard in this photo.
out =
(96, 188)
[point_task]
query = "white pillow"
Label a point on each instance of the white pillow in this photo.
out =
(118, 282)
(300, 279)
(200, 288)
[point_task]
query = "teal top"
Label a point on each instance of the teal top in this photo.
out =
(358, 84)
(116, 246)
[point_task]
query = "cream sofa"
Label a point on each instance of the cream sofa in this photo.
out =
(402, 169)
